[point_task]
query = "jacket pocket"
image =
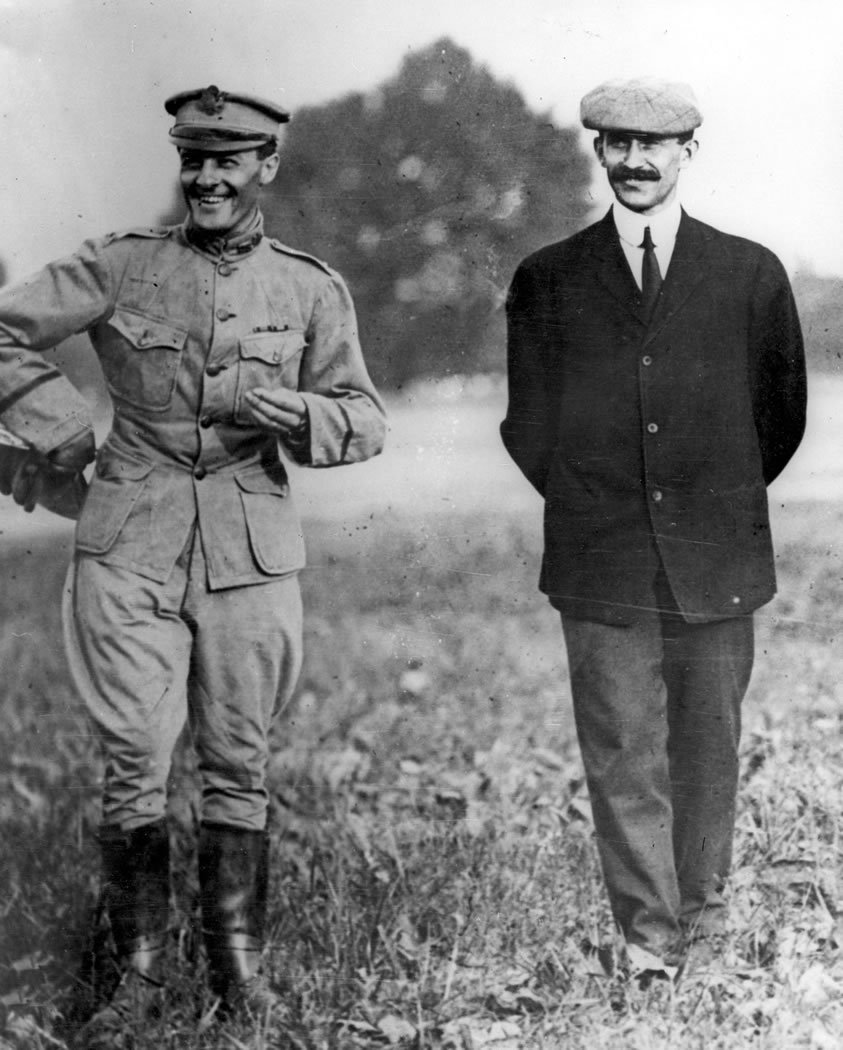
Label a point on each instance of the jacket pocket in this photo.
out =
(272, 522)
(270, 360)
(114, 490)
(140, 358)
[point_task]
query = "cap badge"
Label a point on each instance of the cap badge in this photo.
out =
(211, 101)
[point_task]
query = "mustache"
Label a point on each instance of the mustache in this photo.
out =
(622, 174)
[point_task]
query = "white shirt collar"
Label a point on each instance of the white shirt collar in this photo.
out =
(663, 225)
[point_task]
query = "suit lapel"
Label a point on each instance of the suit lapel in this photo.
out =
(688, 268)
(611, 268)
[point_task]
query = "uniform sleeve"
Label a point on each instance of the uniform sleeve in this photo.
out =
(347, 422)
(38, 403)
(777, 368)
(528, 431)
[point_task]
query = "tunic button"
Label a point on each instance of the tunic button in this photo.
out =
(225, 269)
(205, 422)
(653, 428)
(224, 315)
(736, 600)
(657, 496)
(646, 360)
(214, 370)
(200, 473)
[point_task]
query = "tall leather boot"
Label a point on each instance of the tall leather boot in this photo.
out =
(233, 874)
(136, 885)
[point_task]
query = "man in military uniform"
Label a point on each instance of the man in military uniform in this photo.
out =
(657, 385)
(225, 352)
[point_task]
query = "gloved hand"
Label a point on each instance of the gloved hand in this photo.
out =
(11, 457)
(31, 478)
(23, 476)
(74, 455)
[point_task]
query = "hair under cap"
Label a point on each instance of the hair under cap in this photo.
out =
(646, 104)
(219, 121)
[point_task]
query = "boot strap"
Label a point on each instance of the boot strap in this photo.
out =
(235, 957)
(233, 939)
(147, 942)
(144, 954)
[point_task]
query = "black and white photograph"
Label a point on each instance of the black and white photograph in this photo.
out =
(421, 525)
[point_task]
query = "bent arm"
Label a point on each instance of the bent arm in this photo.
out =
(777, 368)
(37, 402)
(529, 429)
(345, 415)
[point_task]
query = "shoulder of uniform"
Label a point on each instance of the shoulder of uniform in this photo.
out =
(145, 232)
(284, 249)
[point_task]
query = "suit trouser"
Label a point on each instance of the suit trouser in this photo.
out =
(147, 657)
(658, 712)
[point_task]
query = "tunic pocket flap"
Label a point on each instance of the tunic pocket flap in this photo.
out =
(262, 483)
(119, 468)
(273, 348)
(146, 332)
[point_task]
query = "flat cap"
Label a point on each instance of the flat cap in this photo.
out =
(220, 121)
(646, 104)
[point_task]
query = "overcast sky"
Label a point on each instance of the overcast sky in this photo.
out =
(82, 84)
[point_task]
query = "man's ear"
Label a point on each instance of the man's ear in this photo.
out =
(598, 149)
(269, 168)
(689, 151)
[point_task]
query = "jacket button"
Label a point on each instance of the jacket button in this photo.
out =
(657, 496)
(200, 473)
(646, 360)
(205, 422)
(736, 600)
(224, 315)
(214, 370)
(225, 269)
(653, 428)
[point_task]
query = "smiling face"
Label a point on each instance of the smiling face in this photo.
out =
(643, 169)
(222, 189)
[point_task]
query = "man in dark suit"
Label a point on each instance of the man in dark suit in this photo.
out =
(656, 386)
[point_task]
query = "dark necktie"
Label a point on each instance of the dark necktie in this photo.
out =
(651, 275)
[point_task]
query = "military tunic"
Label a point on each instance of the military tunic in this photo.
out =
(182, 332)
(185, 483)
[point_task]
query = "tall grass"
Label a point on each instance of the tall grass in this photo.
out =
(434, 878)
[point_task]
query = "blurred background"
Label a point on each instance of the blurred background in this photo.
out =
(432, 146)
(433, 819)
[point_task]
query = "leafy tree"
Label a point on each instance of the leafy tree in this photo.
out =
(425, 193)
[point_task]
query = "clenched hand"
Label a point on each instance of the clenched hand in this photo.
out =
(280, 412)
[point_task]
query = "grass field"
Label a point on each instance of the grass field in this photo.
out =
(435, 882)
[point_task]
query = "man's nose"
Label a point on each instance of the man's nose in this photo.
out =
(635, 155)
(208, 175)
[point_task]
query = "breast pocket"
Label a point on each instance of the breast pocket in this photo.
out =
(269, 360)
(140, 358)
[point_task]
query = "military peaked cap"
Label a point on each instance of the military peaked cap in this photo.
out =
(220, 121)
(646, 104)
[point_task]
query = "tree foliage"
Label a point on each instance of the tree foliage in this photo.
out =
(425, 193)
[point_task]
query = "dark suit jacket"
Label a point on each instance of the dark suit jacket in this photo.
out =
(652, 443)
